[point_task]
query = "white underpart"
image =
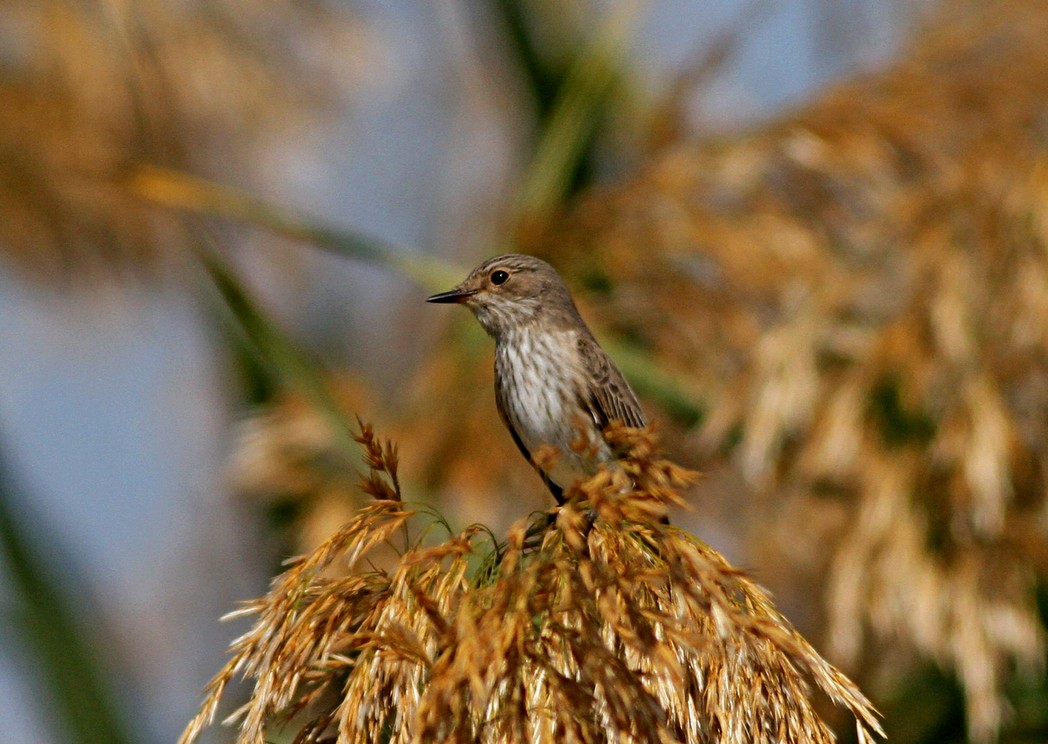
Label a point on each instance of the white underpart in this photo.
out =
(543, 369)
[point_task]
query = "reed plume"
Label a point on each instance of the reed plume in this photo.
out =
(598, 623)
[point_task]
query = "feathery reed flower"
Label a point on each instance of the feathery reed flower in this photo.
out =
(599, 624)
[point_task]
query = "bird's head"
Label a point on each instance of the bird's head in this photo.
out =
(511, 291)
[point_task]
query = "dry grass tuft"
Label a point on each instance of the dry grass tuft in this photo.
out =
(596, 623)
(286, 458)
(90, 90)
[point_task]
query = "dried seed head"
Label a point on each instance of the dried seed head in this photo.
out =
(614, 627)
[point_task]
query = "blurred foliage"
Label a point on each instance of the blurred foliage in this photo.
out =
(281, 356)
(49, 627)
(89, 89)
(568, 128)
(180, 191)
(571, 60)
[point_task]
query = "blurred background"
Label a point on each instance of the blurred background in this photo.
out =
(814, 234)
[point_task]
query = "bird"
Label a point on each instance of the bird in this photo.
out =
(553, 381)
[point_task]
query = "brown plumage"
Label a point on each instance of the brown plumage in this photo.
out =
(553, 381)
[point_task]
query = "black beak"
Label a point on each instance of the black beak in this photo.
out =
(452, 295)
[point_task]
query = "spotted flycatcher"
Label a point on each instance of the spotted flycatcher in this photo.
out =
(554, 385)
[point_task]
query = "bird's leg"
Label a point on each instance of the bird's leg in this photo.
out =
(537, 529)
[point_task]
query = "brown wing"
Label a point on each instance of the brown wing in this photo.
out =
(610, 396)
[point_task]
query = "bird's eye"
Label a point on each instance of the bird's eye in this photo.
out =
(499, 277)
